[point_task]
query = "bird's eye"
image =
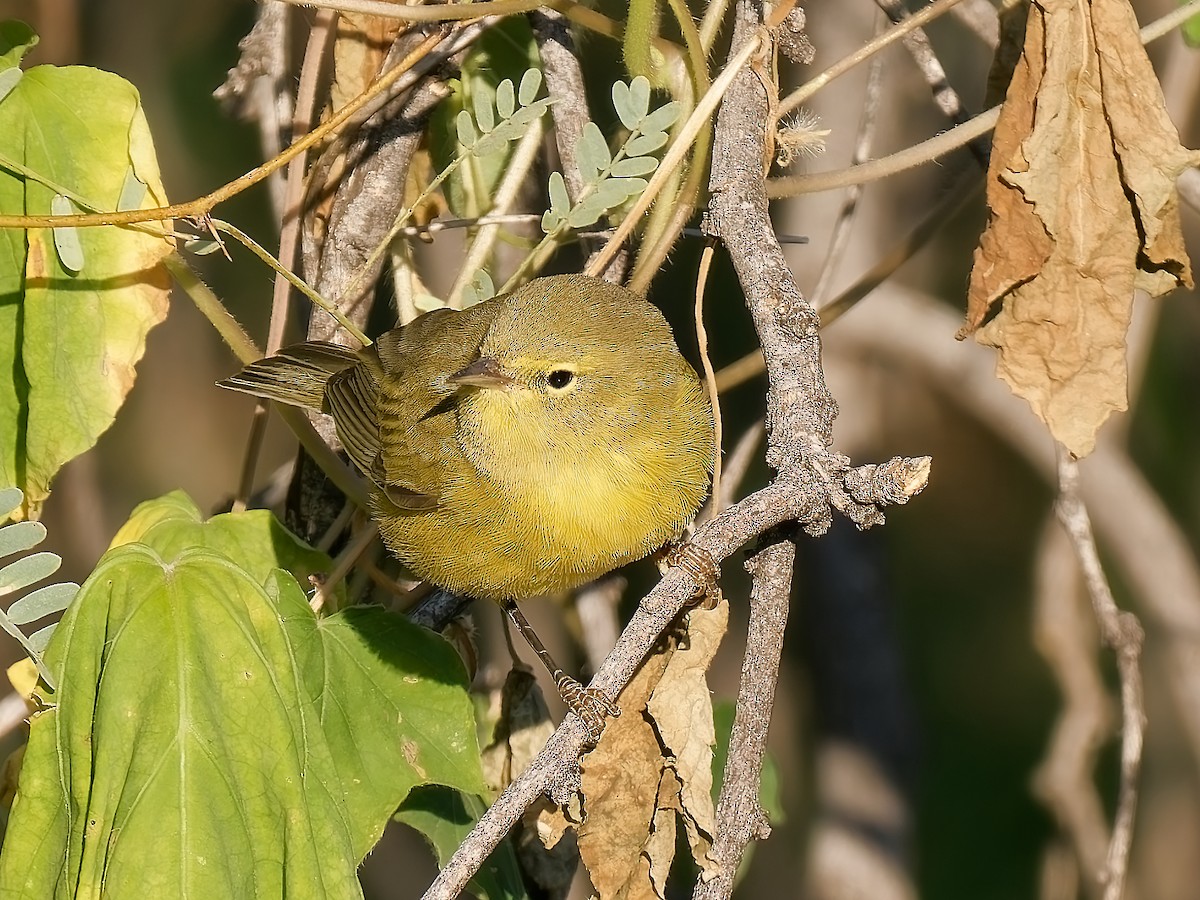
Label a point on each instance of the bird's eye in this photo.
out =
(560, 378)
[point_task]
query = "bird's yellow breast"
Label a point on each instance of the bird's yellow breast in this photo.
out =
(536, 511)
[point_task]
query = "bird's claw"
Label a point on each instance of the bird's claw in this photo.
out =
(591, 705)
(702, 568)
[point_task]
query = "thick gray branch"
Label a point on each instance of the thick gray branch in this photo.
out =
(739, 813)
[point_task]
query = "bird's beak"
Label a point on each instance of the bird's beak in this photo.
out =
(484, 373)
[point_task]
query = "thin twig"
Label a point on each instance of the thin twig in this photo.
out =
(1065, 634)
(289, 236)
(710, 379)
(202, 206)
(840, 237)
(947, 99)
(1122, 633)
(801, 95)
(740, 819)
(884, 167)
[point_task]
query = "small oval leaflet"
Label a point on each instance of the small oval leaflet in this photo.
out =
(66, 238)
(10, 499)
(506, 99)
(531, 83)
(27, 570)
(485, 116)
(20, 537)
(52, 598)
(638, 165)
(133, 192)
(661, 119)
(645, 143)
(593, 155)
(639, 96)
(8, 81)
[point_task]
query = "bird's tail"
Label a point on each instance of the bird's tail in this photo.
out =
(297, 375)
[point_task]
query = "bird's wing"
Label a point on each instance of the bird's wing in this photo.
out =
(418, 453)
(295, 375)
(351, 397)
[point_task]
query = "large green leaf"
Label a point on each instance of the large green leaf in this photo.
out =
(254, 539)
(445, 817)
(211, 737)
(69, 339)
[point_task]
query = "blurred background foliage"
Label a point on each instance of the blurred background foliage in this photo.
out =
(946, 583)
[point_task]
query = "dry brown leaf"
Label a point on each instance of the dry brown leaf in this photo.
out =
(681, 708)
(620, 788)
(1147, 145)
(1015, 244)
(1083, 130)
(653, 764)
(660, 845)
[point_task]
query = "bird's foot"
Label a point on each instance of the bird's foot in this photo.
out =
(591, 705)
(702, 568)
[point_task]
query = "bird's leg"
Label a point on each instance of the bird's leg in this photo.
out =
(700, 565)
(591, 705)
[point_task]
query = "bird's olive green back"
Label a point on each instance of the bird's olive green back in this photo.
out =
(417, 417)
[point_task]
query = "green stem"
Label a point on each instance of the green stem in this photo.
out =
(247, 352)
(667, 220)
(641, 28)
(213, 309)
(298, 282)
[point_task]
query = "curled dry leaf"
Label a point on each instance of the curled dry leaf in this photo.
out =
(681, 708)
(620, 787)
(652, 766)
(1083, 210)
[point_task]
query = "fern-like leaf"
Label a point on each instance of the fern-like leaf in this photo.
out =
(21, 573)
(610, 179)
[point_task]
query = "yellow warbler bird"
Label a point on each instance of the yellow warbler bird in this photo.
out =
(523, 446)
